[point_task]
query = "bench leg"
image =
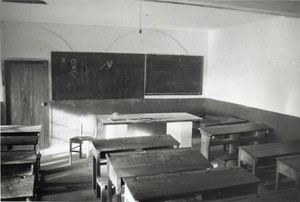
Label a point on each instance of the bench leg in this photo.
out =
(80, 150)
(70, 154)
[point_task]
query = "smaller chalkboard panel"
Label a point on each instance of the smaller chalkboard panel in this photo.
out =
(77, 75)
(173, 75)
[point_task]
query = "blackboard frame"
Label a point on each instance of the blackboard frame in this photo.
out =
(152, 87)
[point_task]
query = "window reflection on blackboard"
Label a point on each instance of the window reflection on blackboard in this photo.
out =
(173, 75)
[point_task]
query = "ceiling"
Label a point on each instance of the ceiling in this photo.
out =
(157, 14)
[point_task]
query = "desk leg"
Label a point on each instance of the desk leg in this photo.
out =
(205, 144)
(94, 173)
(233, 146)
(254, 166)
(128, 196)
(182, 132)
(119, 190)
(109, 190)
(277, 182)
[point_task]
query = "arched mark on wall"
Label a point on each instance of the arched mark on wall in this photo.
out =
(58, 37)
(119, 38)
(159, 32)
(174, 39)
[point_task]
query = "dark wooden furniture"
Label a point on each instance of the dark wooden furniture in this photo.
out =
(216, 120)
(208, 185)
(238, 133)
(103, 146)
(20, 184)
(79, 140)
(179, 125)
(155, 162)
(20, 135)
(17, 187)
(253, 153)
(288, 166)
(289, 195)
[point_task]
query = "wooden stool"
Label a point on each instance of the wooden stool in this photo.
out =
(79, 140)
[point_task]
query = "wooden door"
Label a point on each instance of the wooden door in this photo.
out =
(27, 95)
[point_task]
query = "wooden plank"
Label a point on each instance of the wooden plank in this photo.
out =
(289, 195)
(17, 187)
(158, 162)
(18, 157)
(19, 129)
(19, 140)
(146, 118)
(235, 128)
(291, 161)
(133, 143)
(289, 147)
(213, 120)
(27, 95)
(184, 184)
(46, 108)
(15, 93)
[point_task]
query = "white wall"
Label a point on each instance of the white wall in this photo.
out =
(257, 65)
(37, 40)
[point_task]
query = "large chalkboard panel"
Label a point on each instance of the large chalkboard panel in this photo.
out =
(78, 75)
(174, 75)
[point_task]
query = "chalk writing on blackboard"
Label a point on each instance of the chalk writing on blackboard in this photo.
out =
(84, 70)
(74, 71)
(108, 64)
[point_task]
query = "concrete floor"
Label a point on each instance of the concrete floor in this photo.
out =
(63, 182)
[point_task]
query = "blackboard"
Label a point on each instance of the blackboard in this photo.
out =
(77, 75)
(174, 75)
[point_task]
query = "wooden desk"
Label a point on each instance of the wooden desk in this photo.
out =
(251, 154)
(152, 163)
(17, 187)
(179, 125)
(289, 195)
(288, 166)
(103, 146)
(20, 135)
(212, 184)
(215, 120)
(234, 131)
(18, 157)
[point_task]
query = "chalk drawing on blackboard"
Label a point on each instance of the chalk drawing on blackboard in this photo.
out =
(63, 61)
(108, 64)
(84, 70)
(74, 71)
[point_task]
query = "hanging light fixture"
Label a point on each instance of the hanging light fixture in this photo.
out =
(140, 31)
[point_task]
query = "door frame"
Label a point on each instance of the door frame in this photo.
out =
(4, 82)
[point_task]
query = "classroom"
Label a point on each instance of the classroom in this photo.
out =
(150, 100)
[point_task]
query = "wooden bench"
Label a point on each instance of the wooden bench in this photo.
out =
(289, 195)
(17, 187)
(238, 133)
(209, 184)
(12, 135)
(152, 162)
(288, 166)
(251, 155)
(101, 147)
